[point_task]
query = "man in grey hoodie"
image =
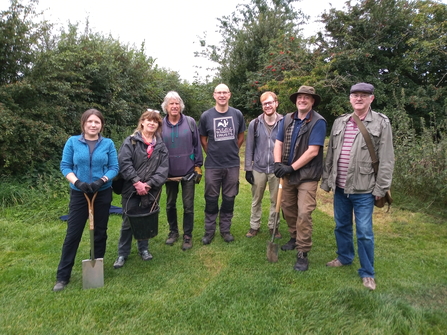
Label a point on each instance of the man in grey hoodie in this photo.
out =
(181, 137)
(259, 162)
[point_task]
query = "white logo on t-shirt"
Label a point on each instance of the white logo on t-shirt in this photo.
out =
(224, 129)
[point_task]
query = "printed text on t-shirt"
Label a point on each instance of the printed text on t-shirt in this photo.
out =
(223, 129)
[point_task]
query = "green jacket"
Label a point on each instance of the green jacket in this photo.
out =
(360, 177)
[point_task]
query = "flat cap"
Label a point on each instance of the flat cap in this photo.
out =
(362, 87)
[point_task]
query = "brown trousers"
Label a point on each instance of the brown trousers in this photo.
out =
(298, 202)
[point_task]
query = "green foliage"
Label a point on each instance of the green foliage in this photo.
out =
(47, 81)
(421, 159)
(91, 71)
(33, 193)
(20, 35)
(197, 98)
(27, 145)
(248, 35)
(74, 72)
(397, 45)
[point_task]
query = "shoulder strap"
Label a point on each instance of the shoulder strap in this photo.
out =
(254, 134)
(189, 120)
(256, 125)
(362, 128)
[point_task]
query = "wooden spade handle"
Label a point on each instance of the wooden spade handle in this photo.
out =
(90, 210)
(278, 198)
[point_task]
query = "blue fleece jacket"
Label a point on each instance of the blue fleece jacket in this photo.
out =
(103, 161)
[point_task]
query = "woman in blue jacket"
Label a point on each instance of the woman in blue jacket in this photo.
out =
(89, 162)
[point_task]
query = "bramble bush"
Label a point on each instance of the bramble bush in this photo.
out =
(27, 144)
(421, 158)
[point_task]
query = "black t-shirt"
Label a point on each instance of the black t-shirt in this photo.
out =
(222, 130)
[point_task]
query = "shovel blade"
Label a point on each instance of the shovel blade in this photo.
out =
(92, 273)
(272, 252)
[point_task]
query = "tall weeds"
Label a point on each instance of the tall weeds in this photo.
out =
(421, 158)
(41, 195)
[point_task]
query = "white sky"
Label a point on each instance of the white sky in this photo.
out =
(170, 28)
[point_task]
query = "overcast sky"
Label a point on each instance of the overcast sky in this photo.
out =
(170, 28)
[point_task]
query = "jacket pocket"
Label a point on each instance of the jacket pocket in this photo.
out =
(364, 179)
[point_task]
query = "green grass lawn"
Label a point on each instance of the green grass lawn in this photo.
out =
(223, 288)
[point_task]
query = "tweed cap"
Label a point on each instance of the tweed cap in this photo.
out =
(306, 90)
(362, 87)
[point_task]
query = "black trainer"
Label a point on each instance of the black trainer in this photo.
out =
(227, 237)
(207, 238)
(290, 245)
(302, 263)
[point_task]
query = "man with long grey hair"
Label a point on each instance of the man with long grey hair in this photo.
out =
(181, 137)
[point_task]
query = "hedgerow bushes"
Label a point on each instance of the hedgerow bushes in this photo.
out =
(421, 158)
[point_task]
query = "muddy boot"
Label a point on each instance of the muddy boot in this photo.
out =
(290, 245)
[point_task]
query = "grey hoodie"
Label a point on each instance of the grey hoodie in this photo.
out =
(259, 146)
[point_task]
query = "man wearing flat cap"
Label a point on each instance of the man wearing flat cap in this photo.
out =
(298, 155)
(349, 172)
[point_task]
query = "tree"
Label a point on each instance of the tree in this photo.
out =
(78, 71)
(248, 35)
(20, 37)
(399, 46)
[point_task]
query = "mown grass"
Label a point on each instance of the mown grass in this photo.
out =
(222, 288)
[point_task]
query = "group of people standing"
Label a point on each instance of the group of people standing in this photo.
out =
(286, 150)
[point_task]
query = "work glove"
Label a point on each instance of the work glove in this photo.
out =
(84, 187)
(96, 185)
(198, 174)
(249, 177)
(282, 170)
(276, 167)
(141, 188)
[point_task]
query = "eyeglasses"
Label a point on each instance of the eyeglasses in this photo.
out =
(221, 93)
(153, 110)
(268, 103)
(359, 95)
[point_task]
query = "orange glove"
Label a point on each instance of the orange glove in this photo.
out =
(198, 173)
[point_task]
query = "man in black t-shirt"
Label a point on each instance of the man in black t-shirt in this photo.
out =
(221, 131)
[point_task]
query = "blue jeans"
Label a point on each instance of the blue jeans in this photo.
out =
(362, 206)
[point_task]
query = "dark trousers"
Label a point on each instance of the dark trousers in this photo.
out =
(77, 218)
(216, 180)
(188, 190)
(125, 241)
